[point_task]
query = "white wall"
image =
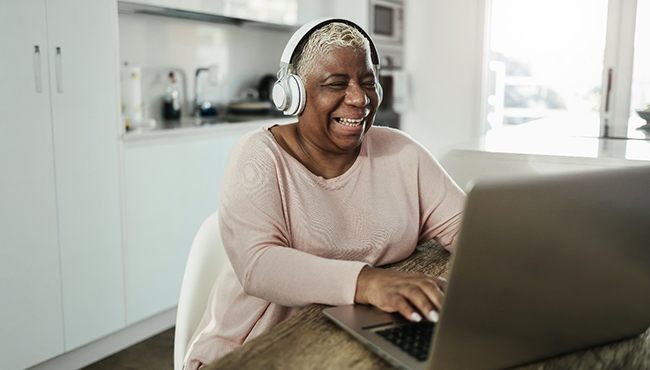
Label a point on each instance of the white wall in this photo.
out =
(443, 60)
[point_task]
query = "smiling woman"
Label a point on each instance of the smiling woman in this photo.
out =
(309, 207)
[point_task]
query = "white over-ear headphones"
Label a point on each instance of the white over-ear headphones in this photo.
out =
(289, 90)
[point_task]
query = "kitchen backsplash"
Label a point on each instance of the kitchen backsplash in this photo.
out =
(158, 45)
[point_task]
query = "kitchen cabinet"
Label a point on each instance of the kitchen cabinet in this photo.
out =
(172, 185)
(61, 265)
(277, 12)
(30, 276)
(357, 11)
(85, 117)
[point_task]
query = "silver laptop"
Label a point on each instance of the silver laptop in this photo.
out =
(543, 266)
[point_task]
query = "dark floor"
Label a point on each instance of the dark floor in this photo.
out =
(155, 353)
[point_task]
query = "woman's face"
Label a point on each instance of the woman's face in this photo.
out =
(341, 100)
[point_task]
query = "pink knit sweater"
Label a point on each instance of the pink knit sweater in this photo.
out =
(294, 238)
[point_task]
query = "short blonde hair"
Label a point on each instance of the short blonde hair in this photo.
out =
(320, 42)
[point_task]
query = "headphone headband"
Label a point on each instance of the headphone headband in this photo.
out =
(310, 27)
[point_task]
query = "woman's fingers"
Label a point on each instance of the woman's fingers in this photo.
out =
(415, 296)
(433, 292)
(427, 297)
(418, 298)
(404, 308)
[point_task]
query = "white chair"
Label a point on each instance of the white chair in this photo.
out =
(203, 265)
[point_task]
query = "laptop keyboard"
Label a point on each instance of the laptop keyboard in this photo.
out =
(413, 338)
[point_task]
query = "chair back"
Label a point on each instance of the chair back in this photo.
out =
(203, 265)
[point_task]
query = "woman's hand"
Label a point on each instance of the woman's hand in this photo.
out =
(414, 295)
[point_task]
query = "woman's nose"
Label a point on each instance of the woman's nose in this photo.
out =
(356, 96)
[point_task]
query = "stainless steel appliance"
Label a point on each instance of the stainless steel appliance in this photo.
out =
(387, 21)
(386, 114)
(387, 32)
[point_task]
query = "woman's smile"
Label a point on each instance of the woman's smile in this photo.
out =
(352, 125)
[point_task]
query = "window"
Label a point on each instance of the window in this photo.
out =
(567, 67)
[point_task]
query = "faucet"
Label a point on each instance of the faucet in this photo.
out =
(200, 103)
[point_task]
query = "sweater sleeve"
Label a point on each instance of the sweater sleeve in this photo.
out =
(441, 202)
(255, 234)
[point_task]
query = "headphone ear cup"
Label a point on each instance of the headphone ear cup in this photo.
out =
(380, 93)
(279, 95)
(296, 94)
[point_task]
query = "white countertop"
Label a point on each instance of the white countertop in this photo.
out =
(513, 141)
(141, 135)
(522, 141)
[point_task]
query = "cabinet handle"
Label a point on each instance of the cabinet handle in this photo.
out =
(38, 85)
(58, 65)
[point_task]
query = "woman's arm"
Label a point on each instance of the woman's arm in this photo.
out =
(267, 268)
(440, 200)
(254, 228)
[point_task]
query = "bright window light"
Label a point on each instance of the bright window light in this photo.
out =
(545, 66)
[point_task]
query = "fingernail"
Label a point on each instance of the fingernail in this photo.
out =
(416, 317)
(433, 316)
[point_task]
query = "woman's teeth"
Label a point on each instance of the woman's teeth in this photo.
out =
(349, 121)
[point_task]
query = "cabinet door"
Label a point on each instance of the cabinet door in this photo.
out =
(358, 11)
(170, 189)
(84, 80)
(163, 3)
(30, 284)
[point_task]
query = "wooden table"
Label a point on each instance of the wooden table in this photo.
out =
(308, 340)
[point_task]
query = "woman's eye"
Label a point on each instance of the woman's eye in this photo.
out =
(370, 84)
(338, 85)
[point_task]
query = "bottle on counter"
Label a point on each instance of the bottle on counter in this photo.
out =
(171, 108)
(132, 105)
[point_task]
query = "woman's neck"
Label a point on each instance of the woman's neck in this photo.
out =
(325, 164)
